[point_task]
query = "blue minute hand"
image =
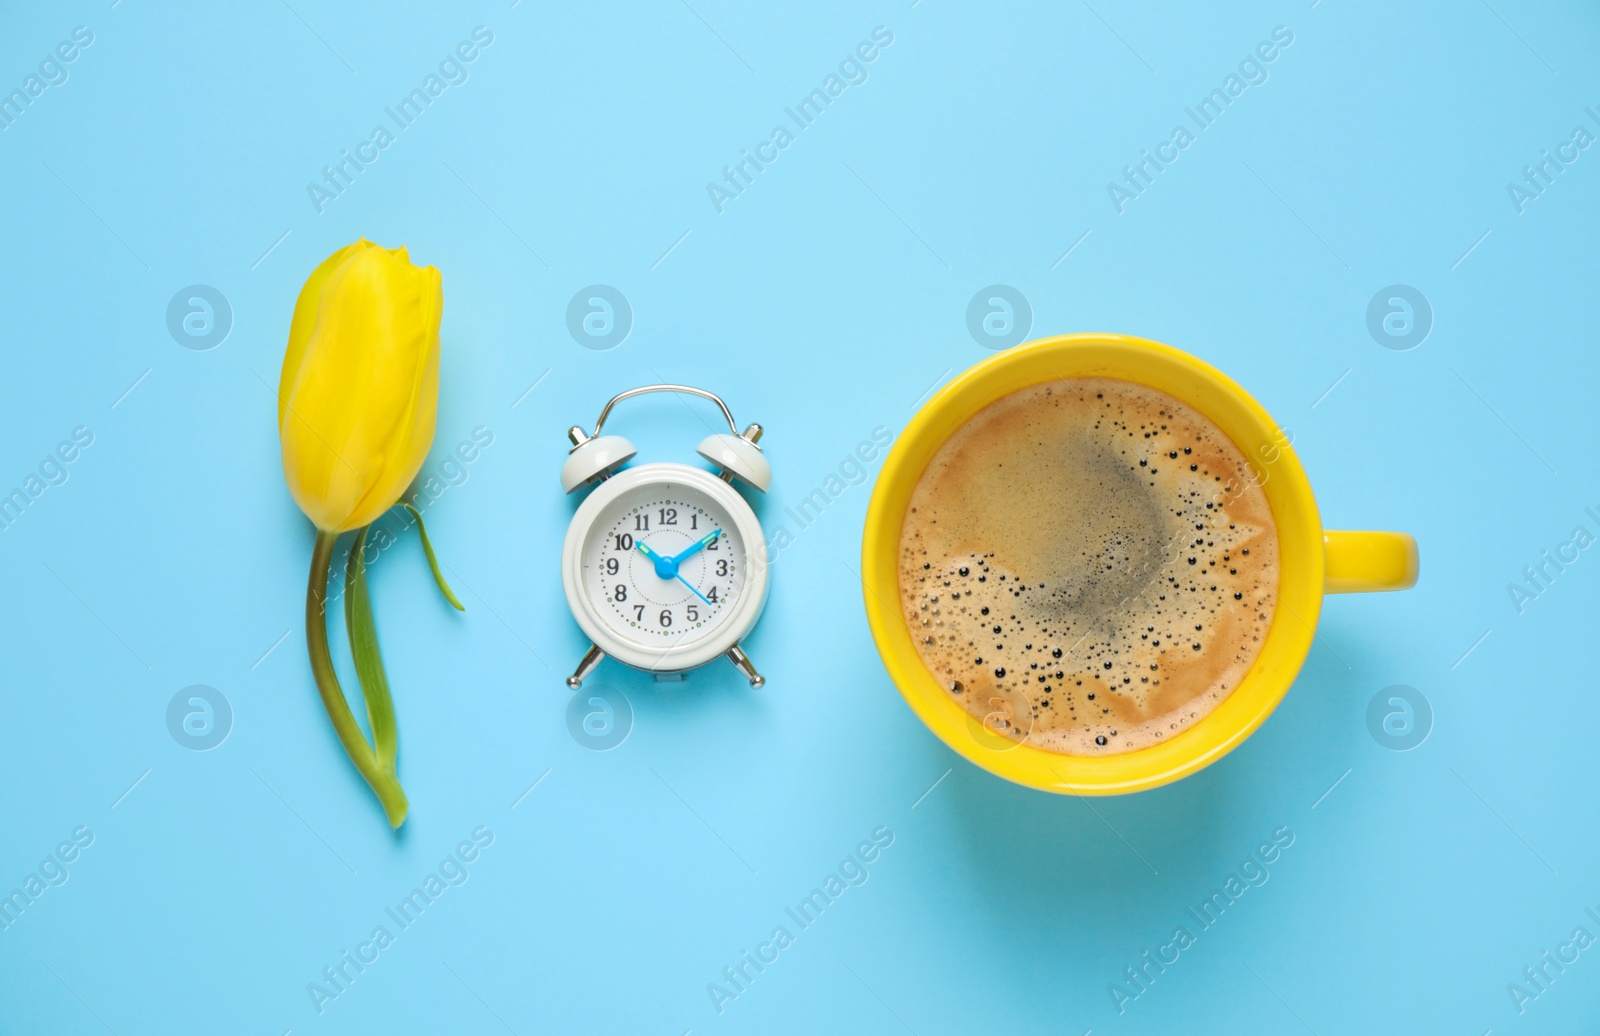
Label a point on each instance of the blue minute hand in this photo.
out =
(704, 542)
(694, 548)
(667, 568)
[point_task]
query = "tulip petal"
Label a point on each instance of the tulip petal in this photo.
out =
(413, 425)
(305, 318)
(362, 406)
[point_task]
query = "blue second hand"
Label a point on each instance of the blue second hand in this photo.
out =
(704, 542)
(691, 586)
(673, 562)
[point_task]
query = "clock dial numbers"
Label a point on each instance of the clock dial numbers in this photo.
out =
(661, 567)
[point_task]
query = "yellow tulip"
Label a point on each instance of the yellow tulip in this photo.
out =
(357, 402)
(359, 391)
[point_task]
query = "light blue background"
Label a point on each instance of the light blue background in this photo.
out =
(824, 302)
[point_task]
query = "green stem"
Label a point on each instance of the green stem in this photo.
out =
(382, 779)
(363, 633)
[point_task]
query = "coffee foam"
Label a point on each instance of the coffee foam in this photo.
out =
(1088, 566)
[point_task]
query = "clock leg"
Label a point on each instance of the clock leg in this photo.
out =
(742, 662)
(590, 659)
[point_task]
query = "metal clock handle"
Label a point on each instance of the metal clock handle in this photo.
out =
(642, 390)
(578, 437)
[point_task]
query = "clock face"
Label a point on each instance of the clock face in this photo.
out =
(663, 565)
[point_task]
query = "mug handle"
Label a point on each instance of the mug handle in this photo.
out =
(1364, 560)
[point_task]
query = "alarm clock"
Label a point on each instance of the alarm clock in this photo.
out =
(665, 565)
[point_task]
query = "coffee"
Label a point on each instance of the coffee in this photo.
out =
(1089, 566)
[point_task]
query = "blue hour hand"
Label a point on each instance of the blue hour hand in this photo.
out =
(666, 568)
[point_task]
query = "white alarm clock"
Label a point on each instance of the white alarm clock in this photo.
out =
(665, 565)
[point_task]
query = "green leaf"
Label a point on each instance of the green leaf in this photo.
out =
(381, 778)
(369, 660)
(433, 561)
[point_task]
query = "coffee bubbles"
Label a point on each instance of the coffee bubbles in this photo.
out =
(1087, 567)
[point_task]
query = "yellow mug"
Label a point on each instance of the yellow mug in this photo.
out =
(1314, 561)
